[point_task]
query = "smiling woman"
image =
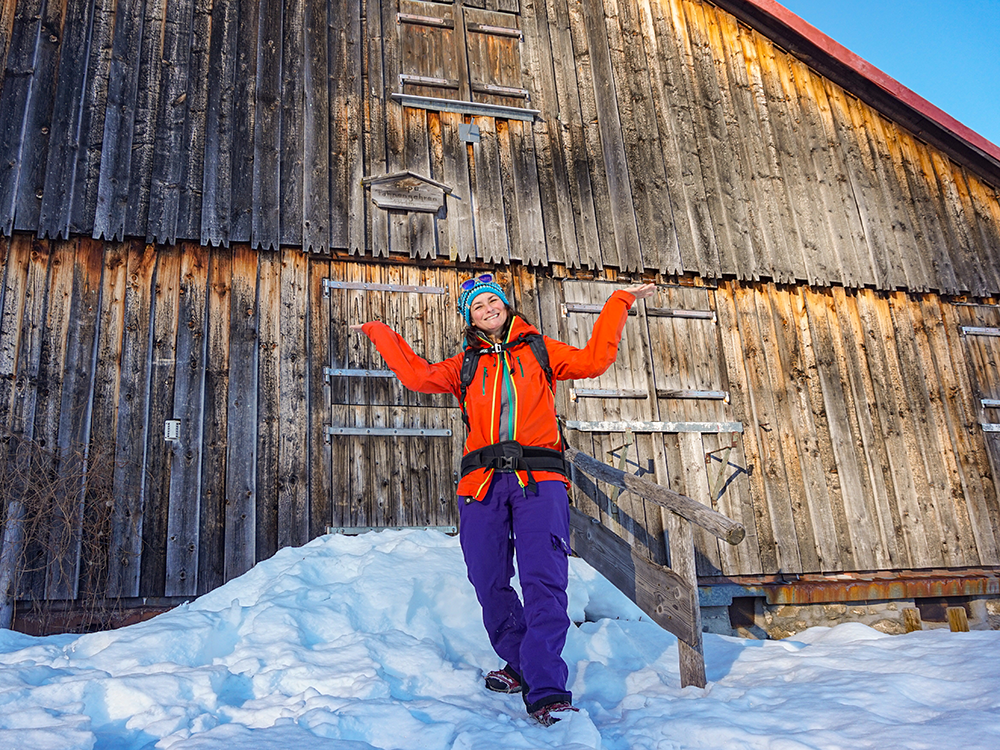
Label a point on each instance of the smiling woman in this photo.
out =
(514, 477)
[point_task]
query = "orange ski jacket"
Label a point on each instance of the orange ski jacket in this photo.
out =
(509, 398)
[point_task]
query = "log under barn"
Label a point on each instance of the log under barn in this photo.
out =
(198, 197)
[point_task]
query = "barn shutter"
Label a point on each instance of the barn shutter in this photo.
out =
(454, 52)
(661, 411)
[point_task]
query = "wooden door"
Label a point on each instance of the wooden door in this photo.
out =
(980, 328)
(660, 411)
(395, 452)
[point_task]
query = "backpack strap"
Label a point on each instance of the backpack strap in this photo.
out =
(470, 363)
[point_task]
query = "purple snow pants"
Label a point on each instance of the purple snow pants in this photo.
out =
(529, 638)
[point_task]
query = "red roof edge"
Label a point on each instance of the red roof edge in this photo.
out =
(843, 66)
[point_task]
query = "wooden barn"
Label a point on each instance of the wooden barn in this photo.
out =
(197, 197)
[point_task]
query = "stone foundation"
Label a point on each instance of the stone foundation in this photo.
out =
(752, 617)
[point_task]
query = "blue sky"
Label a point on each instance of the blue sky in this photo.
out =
(948, 51)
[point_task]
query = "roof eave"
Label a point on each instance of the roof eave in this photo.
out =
(869, 84)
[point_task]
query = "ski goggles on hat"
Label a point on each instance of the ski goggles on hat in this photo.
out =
(484, 278)
(472, 288)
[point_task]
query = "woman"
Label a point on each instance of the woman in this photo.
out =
(512, 493)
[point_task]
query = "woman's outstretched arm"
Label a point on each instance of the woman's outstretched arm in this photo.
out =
(413, 371)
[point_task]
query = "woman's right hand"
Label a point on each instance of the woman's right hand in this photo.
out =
(357, 327)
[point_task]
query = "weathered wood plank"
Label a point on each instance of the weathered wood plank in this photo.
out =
(775, 523)
(858, 530)
(92, 118)
(241, 423)
(628, 254)
(539, 79)
(293, 372)
(376, 156)
(640, 131)
(159, 453)
(267, 146)
(59, 553)
(319, 347)
(455, 233)
(245, 125)
(184, 515)
(417, 158)
(110, 326)
(192, 171)
(819, 439)
(589, 152)
(744, 496)
(144, 122)
(64, 138)
(212, 522)
(22, 53)
(172, 113)
(960, 413)
(488, 210)
(752, 203)
(718, 134)
(131, 431)
(268, 407)
(291, 152)
(316, 130)
(217, 183)
(114, 160)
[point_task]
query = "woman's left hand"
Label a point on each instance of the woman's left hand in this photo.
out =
(641, 291)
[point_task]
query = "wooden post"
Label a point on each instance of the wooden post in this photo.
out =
(691, 655)
(958, 620)
(911, 620)
(13, 541)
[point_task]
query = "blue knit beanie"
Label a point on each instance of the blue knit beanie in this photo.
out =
(478, 287)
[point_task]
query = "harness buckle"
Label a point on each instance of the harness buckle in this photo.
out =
(506, 463)
(496, 348)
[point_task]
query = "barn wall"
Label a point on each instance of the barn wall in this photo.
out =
(669, 137)
(843, 428)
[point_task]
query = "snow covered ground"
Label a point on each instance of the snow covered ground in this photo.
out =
(375, 641)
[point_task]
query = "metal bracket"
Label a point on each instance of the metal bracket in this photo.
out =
(580, 307)
(576, 393)
(990, 427)
(329, 284)
(330, 372)
(977, 331)
(669, 427)
(663, 312)
(390, 431)
(700, 395)
(990, 403)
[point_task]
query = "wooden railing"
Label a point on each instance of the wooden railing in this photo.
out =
(669, 595)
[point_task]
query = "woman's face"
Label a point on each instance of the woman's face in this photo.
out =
(488, 313)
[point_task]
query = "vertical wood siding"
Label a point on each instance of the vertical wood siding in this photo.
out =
(670, 138)
(865, 415)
